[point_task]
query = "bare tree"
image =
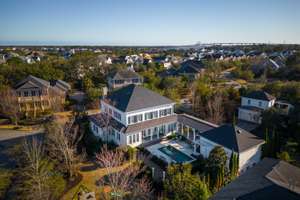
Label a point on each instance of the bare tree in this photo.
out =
(62, 142)
(123, 181)
(215, 110)
(56, 100)
(9, 104)
(36, 170)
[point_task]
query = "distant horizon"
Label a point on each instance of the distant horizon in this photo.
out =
(148, 23)
(69, 43)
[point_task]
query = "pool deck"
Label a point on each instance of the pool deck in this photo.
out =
(179, 145)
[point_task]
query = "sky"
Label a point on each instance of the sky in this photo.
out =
(148, 22)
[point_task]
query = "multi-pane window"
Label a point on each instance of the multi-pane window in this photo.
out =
(259, 104)
(118, 136)
(117, 115)
(135, 80)
(135, 119)
(143, 133)
(249, 101)
(130, 139)
(26, 93)
(151, 115)
(119, 81)
(165, 112)
(32, 93)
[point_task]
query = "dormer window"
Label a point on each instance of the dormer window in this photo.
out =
(249, 101)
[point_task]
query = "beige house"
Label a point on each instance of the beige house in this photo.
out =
(37, 95)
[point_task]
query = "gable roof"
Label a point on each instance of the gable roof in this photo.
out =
(124, 74)
(255, 184)
(232, 137)
(261, 95)
(191, 67)
(134, 97)
(35, 80)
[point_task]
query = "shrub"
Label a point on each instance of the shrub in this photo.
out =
(5, 181)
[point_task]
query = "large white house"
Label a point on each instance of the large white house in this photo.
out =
(136, 116)
(253, 104)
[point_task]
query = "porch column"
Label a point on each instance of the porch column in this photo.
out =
(195, 148)
(188, 132)
(182, 128)
(194, 133)
(151, 134)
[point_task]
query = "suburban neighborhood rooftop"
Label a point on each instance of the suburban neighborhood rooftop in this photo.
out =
(134, 97)
(232, 137)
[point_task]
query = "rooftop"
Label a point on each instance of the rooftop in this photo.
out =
(124, 74)
(134, 97)
(269, 179)
(261, 95)
(232, 137)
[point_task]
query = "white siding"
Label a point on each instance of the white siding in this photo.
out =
(249, 158)
(257, 103)
(250, 116)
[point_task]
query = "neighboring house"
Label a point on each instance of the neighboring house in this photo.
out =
(269, 179)
(233, 139)
(283, 107)
(35, 94)
(123, 78)
(133, 116)
(253, 104)
(191, 68)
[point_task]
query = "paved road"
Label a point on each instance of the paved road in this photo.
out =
(10, 139)
(13, 134)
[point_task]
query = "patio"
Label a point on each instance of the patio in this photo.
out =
(184, 150)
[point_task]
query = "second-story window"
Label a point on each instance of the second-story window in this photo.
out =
(249, 101)
(259, 104)
(151, 115)
(117, 115)
(135, 119)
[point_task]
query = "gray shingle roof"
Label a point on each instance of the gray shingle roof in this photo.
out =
(35, 80)
(261, 95)
(124, 74)
(196, 123)
(254, 184)
(232, 137)
(134, 97)
(191, 67)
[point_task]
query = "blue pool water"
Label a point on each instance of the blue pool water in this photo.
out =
(175, 154)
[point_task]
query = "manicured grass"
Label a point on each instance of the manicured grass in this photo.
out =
(89, 179)
(14, 127)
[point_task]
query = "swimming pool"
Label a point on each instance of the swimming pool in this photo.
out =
(175, 154)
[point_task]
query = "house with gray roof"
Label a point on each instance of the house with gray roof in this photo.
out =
(269, 179)
(134, 115)
(191, 68)
(36, 94)
(233, 139)
(123, 78)
(253, 104)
